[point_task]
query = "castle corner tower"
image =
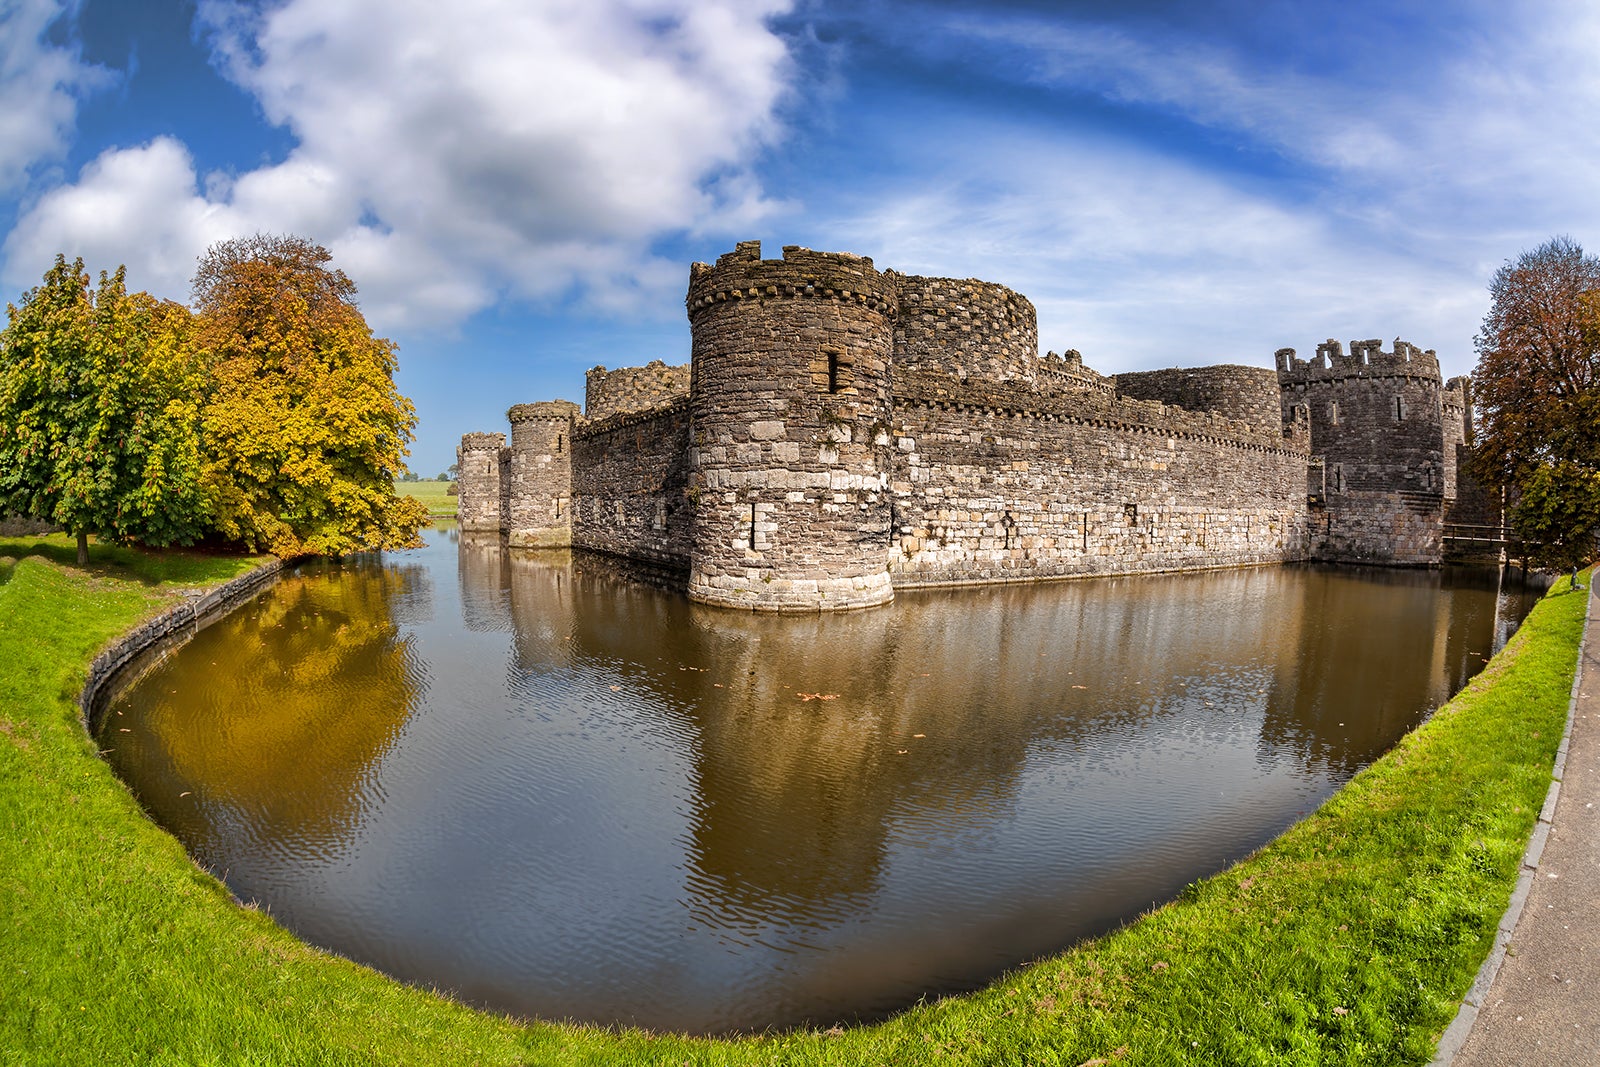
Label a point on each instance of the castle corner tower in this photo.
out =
(790, 405)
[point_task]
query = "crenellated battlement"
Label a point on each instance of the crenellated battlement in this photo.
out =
(1367, 359)
(801, 274)
(1066, 374)
(483, 442)
(557, 410)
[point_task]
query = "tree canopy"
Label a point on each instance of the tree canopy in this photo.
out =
(1537, 387)
(268, 418)
(99, 411)
(304, 431)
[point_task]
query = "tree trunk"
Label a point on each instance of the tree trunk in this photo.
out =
(83, 548)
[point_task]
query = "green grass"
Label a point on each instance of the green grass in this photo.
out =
(1348, 940)
(432, 494)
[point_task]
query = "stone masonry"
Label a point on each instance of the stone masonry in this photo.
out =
(841, 431)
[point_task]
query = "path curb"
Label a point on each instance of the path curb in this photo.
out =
(1456, 1034)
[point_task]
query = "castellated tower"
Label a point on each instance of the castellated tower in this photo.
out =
(539, 479)
(1381, 426)
(480, 485)
(789, 411)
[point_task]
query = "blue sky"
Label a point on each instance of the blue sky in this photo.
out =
(518, 187)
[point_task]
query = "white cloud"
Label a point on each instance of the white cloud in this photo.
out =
(134, 206)
(1141, 261)
(448, 153)
(40, 85)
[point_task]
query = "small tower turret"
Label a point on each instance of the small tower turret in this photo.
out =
(481, 487)
(539, 490)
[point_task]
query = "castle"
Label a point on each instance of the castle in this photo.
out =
(841, 432)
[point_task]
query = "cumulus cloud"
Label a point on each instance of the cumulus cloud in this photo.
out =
(449, 153)
(1143, 261)
(40, 86)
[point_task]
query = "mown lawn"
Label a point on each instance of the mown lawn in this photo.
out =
(1347, 940)
(433, 494)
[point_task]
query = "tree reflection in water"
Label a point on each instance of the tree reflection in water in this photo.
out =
(561, 791)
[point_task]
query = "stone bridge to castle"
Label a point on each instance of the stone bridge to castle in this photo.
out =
(840, 432)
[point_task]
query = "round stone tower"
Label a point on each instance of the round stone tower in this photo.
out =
(480, 487)
(539, 485)
(789, 415)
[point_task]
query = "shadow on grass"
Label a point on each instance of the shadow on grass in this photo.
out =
(149, 567)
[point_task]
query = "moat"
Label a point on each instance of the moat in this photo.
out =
(559, 792)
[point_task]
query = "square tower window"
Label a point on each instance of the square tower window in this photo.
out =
(1333, 413)
(1399, 409)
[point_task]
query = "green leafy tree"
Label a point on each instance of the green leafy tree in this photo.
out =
(99, 412)
(304, 431)
(1537, 387)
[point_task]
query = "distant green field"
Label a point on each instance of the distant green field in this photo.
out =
(433, 494)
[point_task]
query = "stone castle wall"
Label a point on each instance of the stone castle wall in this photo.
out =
(631, 480)
(841, 431)
(480, 503)
(1456, 407)
(1009, 487)
(615, 392)
(1065, 375)
(965, 328)
(538, 475)
(791, 390)
(1248, 394)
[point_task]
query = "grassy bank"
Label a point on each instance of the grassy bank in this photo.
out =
(434, 495)
(1345, 941)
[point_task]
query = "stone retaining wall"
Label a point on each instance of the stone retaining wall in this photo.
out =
(167, 630)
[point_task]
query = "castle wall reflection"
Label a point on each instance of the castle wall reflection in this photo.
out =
(562, 792)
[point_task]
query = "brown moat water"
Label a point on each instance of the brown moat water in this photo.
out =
(560, 793)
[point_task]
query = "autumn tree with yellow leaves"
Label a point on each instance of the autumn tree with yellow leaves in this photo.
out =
(268, 418)
(304, 431)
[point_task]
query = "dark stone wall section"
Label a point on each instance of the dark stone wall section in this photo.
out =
(1248, 394)
(1378, 420)
(538, 475)
(790, 405)
(630, 485)
(965, 328)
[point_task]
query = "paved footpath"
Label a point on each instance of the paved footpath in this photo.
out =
(1537, 1001)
